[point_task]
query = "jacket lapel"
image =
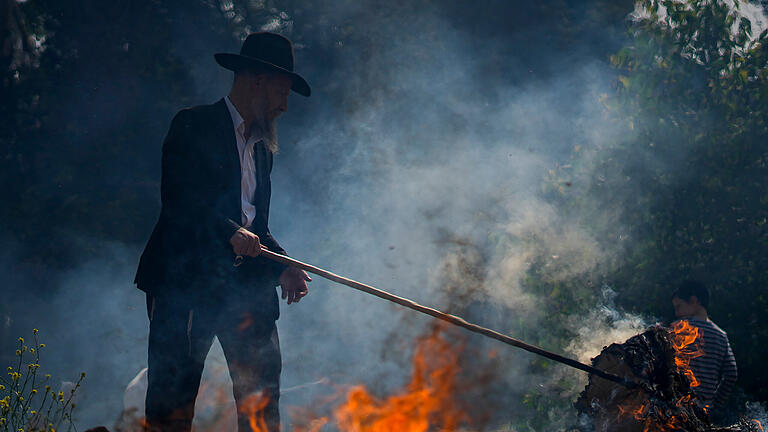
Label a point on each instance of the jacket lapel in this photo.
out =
(220, 139)
(225, 137)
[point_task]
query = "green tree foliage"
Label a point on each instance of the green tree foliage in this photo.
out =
(87, 86)
(693, 85)
(90, 87)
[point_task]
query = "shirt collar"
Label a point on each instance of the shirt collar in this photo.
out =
(239, 123)
(237, 119)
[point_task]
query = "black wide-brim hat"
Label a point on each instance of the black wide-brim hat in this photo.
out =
(266, 50)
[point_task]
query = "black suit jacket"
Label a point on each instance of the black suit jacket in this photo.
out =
(188, 252)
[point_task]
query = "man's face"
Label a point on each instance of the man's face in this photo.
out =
(271, 95)
(268, 94)
(685, 308)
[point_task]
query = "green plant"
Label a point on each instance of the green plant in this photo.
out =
(27, 401)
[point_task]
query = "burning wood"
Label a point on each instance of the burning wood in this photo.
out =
(665, 401)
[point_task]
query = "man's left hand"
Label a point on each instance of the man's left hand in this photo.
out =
(293, 283)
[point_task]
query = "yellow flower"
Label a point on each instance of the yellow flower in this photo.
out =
(42, 345)
(33, 412)
(47, 376)
(18, 352)
(31, 350)
(21, 340)
(34, 391)
(82, 374)
(2, 387)
(34, 330)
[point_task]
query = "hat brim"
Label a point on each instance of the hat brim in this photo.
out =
(236, 62)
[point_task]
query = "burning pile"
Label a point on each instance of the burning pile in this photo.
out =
(664, 401)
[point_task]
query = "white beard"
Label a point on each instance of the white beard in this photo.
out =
(268, 130)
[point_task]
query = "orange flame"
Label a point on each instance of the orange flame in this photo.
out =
(638, 413)
(426, 403)
(684, 342)
(684, 337)
(254, 406)
(759, 425)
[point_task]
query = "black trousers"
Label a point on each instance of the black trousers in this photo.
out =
(180, 335)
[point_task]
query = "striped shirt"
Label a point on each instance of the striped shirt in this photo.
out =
(716, 368)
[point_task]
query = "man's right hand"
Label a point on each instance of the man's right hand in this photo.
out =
(245, 243)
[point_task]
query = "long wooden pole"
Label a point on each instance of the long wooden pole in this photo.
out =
(453, 319)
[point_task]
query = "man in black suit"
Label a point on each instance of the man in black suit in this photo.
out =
(216, 164)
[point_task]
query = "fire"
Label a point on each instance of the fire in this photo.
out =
(254, 407)
(426, 403)
(435, 397)
(638, 413)
(684, 337)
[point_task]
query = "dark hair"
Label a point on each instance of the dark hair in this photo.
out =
(690, 288)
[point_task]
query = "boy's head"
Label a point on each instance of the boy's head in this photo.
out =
(690, 298)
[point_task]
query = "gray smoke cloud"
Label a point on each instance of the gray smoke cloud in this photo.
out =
(418, 171)
(435, 192)
(426, 169)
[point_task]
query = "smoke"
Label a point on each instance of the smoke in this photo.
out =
(434, 160)
(431, 181)
(418, 171)
(603, 326)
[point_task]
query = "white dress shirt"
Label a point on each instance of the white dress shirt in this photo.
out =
(247, 168)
